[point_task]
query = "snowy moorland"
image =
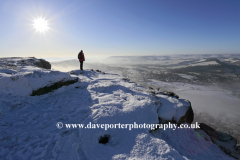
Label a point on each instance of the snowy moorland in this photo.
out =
(28, 127)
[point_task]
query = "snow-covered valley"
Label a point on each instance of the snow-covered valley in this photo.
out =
(28, 123)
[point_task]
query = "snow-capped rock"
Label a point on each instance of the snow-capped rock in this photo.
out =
(24, 77)
(174, 110)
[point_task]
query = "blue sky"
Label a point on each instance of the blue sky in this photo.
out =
(104, 28)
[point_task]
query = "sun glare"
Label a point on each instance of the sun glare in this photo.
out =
(41, 25)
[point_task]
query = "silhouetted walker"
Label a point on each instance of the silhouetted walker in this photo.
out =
(81, 59)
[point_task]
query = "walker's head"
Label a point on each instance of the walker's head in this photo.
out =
(81, 51)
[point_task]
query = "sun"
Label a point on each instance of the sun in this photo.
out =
(40, 24)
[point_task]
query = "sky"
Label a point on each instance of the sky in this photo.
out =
(103, 28)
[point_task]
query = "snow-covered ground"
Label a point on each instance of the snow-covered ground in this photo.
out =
(28, 123)
(204, 63)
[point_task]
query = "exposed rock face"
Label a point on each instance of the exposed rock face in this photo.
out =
(224, 141)
(175, 110)
(188, 116)
(42, 63)
(52, 87)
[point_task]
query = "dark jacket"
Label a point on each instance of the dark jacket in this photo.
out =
(82, 57)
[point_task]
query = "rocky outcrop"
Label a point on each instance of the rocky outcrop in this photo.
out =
(188, 116)
(225, 142)
(175, 110)
(171, 94)
(42, 63)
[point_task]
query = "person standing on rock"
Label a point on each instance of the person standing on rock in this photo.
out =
(81, 59)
